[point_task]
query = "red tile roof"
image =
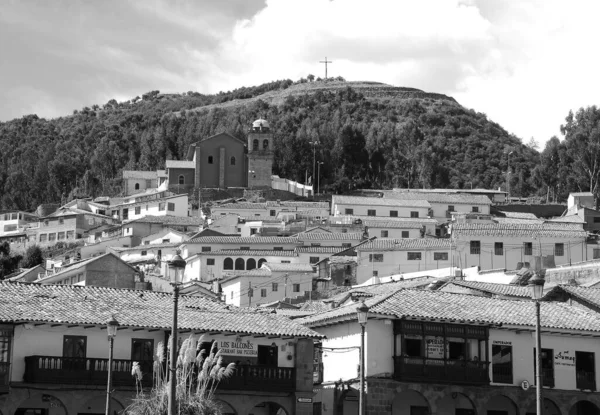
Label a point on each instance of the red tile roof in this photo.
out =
(548, 229)
(244, 240)
(508, 290)
(404, 244)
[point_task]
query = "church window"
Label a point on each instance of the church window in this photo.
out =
(251, 263)
(240, 264)
(181, 179)
(228, 263)
(210, 159)
(255, 145)
(233, 161)
(265, 144)
(137, 186)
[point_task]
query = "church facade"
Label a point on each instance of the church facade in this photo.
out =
(224, 161)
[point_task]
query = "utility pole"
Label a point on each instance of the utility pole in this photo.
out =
(325, 62)
(285, 287)
(314, 145)
(249, 294)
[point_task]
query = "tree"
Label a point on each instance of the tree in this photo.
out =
(532, 144)
(310, 77)
(582, 137)
(33, 257)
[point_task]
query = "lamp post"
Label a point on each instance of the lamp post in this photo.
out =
(111, 329)
(363, 314)
(319, 176)
(251, 172)
(536, 286)
(176, 267)
(314, 145)
(508, 175)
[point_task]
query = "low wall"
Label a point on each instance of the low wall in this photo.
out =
(582, 273)
(291, 186)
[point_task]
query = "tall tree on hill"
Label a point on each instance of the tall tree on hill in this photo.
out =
(582, 137)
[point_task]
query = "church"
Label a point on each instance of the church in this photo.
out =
(220, 161)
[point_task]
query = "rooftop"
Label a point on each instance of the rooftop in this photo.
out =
(508, 290)
(180, 164)
(378, 201)
(139, 174)
(330, 236)
(445, 198)
(547, 229)
(396, 224)
(169, 220)
(76, 305)
(403, 244)
(244, 240)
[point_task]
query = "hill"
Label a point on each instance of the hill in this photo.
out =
(371, 135)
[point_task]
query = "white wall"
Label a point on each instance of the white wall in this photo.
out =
(241, 299)
(380, 211)
(439, 209)
(395, 233)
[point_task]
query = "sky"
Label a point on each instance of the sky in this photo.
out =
(524, 63)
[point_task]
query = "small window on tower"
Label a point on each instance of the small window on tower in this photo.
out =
(255, 145)
(265, 144)
(233, 161)
(210, 159)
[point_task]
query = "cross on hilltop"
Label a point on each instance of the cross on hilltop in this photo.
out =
(325, 62)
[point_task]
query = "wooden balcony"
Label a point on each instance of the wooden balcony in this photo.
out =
(421, 369)
(87, 371)
(4, 379)
(91, 371)
(586, 380)
(261, 378)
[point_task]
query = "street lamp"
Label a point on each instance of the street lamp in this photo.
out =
(176, 268)
(314, 145)
(319, 176)
(111, 328)
(363, 314)
(251, 172)
(508, 175)
(536, 286)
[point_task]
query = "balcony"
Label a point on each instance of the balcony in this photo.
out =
(586, 380)
(4, 371)
(82, 371)
(548, 377)
(260, 378)
(67, 370)
(421, 369)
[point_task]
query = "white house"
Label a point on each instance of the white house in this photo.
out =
(444, 204)
(152, 204)
(376, 206)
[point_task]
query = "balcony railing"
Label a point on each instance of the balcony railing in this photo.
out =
(82, 371)
(91, 371)
(586, 380)
(4, 372)
(440, 370)
(548, 377)
(502, 374)
(249, 377)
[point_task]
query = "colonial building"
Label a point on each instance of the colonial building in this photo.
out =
(54, 351)
(431, 352)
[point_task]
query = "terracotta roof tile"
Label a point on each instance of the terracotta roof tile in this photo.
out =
(320, 249)
(169, 220)
(244, 240)
(497, 289)
(299, 267)
(404, 244)
(445, 198)
(378, 201)
(147, 309)
(464, 308)
(250, 252)
(329, 236)
(547, 229)
(396, 224)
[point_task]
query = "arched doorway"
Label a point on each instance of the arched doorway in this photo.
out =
(455, 404)
(225, 408)
(261, 261)
(268, 408)
(228, 263)
(50, 403)
(584, 408)
(501, 405)
(349, 402)
(550, 408)
(250, 264)
(410, 402)
(97, 405)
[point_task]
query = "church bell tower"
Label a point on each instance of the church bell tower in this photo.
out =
(260, 155)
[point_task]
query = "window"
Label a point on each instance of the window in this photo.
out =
(228, 263)
(51, 237)
(413, 347)
(584, 370)
(70, 234)
(457, 350)
(498, 248)
(315, 244)
(232, 161)
(375, 273)
(46, 222)
(375, 257)
(349, 211)
(475, 209)
(5, 342)
(61, 221)
(344, 230)
(393, 213)
(278, 248)
(414, 214)
(405, 234)
(346, 245)
(296, 288)
(75, 346)
(314, 259)
(267, 355)
(265, 144)
(559, 249)
(181, 179)
(210, 261)
(502, 371)
(596, 253)
(440, 256)
(597, 219)
(451, 208)
(371, 212)
(125, 214)
(137, 186)
(231, 296)
(138, 210)
(475, 247)
(144, 253)
(43, 237)
(274, 286)
(240, 264)
(206, 249)
(263, 292)
(527, 248)
(384, 234)
(286, 262)
(148, 183)
(251, 263)
(244, 248)
(210, 159)
(60, 236)
(547, 366)
(413, 256)
(272, 212)
(142, 350)
(171, 207)
(255, 144)
(161, 206)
